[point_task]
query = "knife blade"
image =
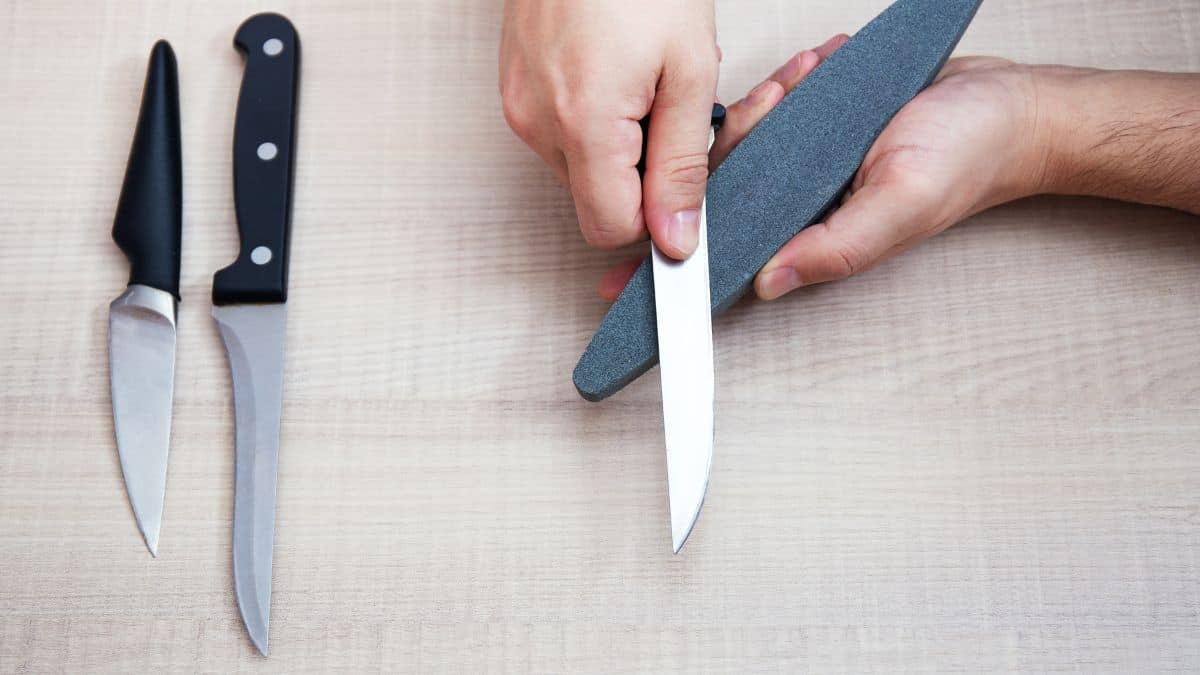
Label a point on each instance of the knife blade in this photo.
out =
(684, 322)
(250, 299)
(141, 321)
(788, 172)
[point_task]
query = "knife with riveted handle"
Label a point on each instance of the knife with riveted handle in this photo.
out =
(249, 299)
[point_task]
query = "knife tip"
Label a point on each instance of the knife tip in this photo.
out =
(258, 632)
(260, 646)
(678, 539)
(151, 539)
(684, 521)
(681, 530)
(257, 621)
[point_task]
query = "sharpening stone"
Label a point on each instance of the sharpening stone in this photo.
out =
(787, 173)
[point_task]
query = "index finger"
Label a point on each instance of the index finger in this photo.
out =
(602, 170)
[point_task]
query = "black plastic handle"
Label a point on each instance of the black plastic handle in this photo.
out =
(149, 222)
(718, 119)
(264, 140)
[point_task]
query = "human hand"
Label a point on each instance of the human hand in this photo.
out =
(576, 78)
(960, 147)
(963, 145)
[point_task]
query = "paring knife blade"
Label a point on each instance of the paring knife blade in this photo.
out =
(684, 321)
(250, 296)
(788, 172)
(141, 322)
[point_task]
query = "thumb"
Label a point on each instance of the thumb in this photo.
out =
(677, 152)
(875, 223)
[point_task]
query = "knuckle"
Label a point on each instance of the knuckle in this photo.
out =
(847, 261)
(852, 259)
(898, 170)
(845, 258)
(917, 185)
(685, 172)
(604, 225)
(597, 237)
(599, 234)
(517, 106)
(698, 67)
(516, 114)
(568, 114)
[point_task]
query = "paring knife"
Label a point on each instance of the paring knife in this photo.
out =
(250, 298)
(787, 173)
(684, 321)
(141, 322)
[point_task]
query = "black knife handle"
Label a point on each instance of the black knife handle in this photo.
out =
(149, 222)
(718, 119)
(264, 141)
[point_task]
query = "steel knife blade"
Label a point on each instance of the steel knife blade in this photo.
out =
(686, 371)
(250, 299)
(684, 322)
(141, 321)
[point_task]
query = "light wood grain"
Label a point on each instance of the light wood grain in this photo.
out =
(980, 456)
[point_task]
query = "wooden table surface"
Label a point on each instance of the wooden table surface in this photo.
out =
(981, 455)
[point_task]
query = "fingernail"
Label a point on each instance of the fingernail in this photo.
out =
(683, 232)
(779, 282)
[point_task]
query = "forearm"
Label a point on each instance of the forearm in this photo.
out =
(1129, 135)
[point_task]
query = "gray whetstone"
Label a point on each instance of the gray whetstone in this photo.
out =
(788, 172)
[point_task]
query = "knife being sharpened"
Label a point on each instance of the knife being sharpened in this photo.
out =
(141, 322)
(785, 174)
(684, 321)
(250, 299)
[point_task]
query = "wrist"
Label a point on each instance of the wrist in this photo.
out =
(1046, 142)
(1057, 128)
(1023, 158)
